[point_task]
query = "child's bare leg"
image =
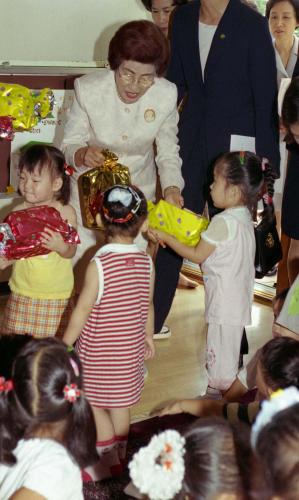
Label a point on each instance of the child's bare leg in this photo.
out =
(236, 390)
(104, 424)
(121, 422)
(107, 448)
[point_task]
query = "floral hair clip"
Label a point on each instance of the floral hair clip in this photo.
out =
(68, 169)
(242, 157)
(280, 400)
(71, 392)
(5, 385)
(158, 469)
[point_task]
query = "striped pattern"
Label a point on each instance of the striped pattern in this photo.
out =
(37, 317)
(111, 345)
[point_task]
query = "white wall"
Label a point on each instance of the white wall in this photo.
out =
(62, 32)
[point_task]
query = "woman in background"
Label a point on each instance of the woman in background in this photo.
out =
(283, 16)
(161, 11)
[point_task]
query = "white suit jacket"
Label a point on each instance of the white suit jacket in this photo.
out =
(99, 117)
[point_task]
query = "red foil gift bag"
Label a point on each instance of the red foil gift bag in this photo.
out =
(21, 231)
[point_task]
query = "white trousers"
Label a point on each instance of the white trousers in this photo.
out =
(222, 354)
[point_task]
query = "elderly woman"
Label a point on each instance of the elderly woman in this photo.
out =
(125, 109)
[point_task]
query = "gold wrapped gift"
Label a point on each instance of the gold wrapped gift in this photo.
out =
(26, 107)
(94, 182)
(186, 226)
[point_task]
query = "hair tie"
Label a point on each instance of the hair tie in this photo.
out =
(279, 400)
(71, 392)
(68, 169)
(5, 385)
(124, 195)
(265, 162)
(158, 469)
(75, 367)
(242, 157)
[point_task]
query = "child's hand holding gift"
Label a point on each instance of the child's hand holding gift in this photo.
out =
(53, 241)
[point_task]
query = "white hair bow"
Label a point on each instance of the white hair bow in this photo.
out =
(120, 194)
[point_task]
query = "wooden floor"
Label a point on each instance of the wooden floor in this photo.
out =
(178, 368)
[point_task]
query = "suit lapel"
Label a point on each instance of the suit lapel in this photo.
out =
(192, 48)
(220, 40)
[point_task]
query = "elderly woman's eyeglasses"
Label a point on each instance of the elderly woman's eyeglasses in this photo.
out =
(128, 78)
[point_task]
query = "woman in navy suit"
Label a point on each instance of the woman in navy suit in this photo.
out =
(223, 63)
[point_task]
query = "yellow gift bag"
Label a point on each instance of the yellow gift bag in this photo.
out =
(186, 226)
(94, 182)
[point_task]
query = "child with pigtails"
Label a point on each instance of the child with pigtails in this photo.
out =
(226, 253)
(47, 427)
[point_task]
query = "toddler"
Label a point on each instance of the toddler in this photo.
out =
(40, 303)
(113, 322)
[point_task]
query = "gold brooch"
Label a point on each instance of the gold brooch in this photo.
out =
(222, 36)
(149, 115)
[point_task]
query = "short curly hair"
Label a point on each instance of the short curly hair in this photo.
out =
(148, 3)
(140, 41)
(271, 3)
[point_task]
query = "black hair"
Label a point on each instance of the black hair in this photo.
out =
(36, 404)
(148, 3)
(294, 3)
(251, 3)
(290, 107)
(120, 219)
(217, 459)
(44, 156)
(247, 171)
(10, 345)
(277, 450)
(279, 363)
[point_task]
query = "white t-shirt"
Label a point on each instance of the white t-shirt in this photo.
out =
(206, 34)
(44, 466)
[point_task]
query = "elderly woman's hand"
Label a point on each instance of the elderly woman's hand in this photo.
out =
(90, 156)
(173, 195)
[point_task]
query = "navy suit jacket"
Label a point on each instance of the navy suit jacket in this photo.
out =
(238, 94)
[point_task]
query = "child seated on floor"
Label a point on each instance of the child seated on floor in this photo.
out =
(278, 368)
(275, 440)
(46, 424)
(211, 460)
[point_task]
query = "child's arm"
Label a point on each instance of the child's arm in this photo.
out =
(26, 494)
(197, 407)
(196, 254)
(86, 301)
(149, 327)
(53, 240)
(4, 263)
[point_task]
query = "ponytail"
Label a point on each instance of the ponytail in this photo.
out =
(268, 190)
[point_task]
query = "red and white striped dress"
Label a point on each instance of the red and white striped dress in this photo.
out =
(111, 345)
